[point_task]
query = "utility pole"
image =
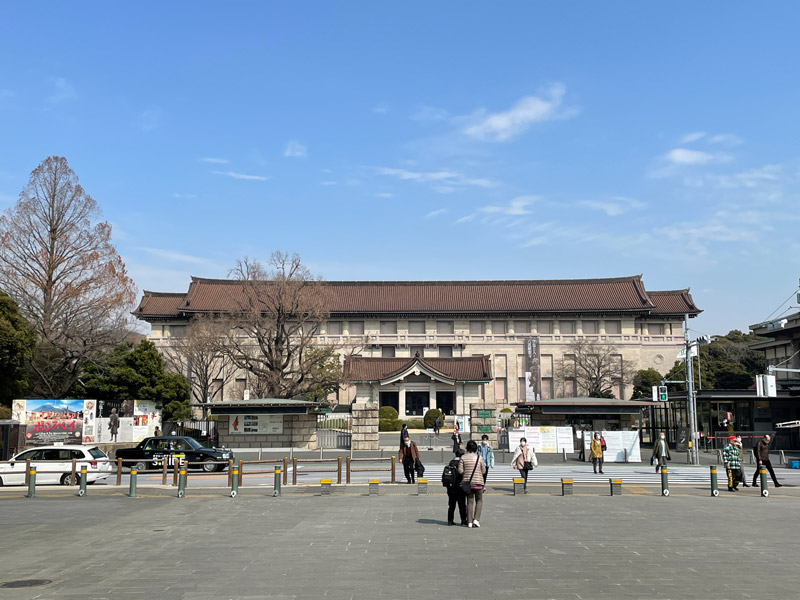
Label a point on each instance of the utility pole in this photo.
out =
(690, 394)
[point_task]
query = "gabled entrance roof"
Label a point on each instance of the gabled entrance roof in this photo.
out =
(475, 369)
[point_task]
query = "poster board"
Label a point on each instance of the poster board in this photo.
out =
(256, 425)
(50, 421)
(616, 444)
(545, 440)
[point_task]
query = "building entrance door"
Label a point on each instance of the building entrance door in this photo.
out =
(445, 402)
(417, 403)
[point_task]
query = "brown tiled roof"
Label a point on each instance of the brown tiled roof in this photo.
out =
(468, 368)
(160, 304)
(673, 302)
(449, 297)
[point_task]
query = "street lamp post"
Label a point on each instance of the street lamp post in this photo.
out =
(690, 398)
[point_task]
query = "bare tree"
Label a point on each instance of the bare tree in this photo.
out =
(595, 368)
(59, 265)
(272, 327)
(197, 356)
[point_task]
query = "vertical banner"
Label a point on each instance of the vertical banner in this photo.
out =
(533, 375)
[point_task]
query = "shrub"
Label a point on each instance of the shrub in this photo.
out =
(430, 417)
(387, 412)
(390, 424)
(415, 424)
(507, 410)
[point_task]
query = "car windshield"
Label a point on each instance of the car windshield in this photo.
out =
(194, 443)
(97, 453)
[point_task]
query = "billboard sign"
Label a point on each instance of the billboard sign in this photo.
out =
(533, 375)
(54, 421)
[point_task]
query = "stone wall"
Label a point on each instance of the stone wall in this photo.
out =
(365, 426)
(486, 422)
(299, 431)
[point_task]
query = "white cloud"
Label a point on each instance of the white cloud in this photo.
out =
(517, 206)
(63, 90)
(430, 113)
(618, 205)
(150, 119)
(436, 213)
(502, 126)
(692, 137)
(466, 218)
(442, 178)
(236, 175)
(751, 178)
(725, 138)
(216, 161)
(172, 256)
(295, 149)
(684, 156)
(380, 109)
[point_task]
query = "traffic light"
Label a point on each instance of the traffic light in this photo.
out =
(662, 393)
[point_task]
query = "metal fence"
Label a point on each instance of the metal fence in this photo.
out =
(334, 431)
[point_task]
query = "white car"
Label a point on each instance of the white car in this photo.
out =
(54, 465)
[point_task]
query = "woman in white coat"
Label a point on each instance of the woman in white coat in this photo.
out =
(524, 460)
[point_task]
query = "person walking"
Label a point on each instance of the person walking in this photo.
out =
(436, 426)
(455, 494)
(456, 437)
(596, 452)
(524, 460)
(738, 443)
(487, 454)
(408, 455)
(733, 464)
(661, 452)
(403, 433)
(762, 456)
(471, 467)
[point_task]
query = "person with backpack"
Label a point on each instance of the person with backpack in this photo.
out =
(524, 460)
(451, 480)
(471, 468)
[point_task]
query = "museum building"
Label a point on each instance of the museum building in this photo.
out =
(417, 345)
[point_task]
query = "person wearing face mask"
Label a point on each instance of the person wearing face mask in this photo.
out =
(661, 452)
(596, 452)
(524, 460)
(487, 454)
(738, 444)
(408, 455)
(471, 468)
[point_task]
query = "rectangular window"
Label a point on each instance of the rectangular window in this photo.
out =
(500, 365)
(570, 388)
(500, 388)
(613, 327)
(334, 328)
(589, 327)
(522, 326)
(413, 350)
(547, 388)
(416, 327)
(477, 327)
(356, 327)
(240, 385)
(566, 327)
(387, 351)
(521, 391)
(446, 351)
(544, 327)
(388, 327)
(546, 362)
(216, 391)
(178, 331)
(655, 329)
(498, 327)
(444, 327)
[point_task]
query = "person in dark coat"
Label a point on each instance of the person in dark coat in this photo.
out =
(456, 496)
(436, 426)
(456, 437)
(762, 456)
(403, 433)
(408, 455)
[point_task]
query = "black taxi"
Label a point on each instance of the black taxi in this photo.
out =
(151, 453)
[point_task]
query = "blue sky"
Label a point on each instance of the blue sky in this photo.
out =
(443, 140)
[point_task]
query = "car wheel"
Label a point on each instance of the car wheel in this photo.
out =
(66, 479)
(140, 466)
(209, 466)
(1, 482)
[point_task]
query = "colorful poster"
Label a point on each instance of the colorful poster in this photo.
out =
(545, 440)
(533, 380)
(54, 421)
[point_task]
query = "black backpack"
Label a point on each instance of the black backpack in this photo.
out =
(450, 475)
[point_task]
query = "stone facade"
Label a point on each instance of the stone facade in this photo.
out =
(299, 431)
(365, 434)
(483, 420)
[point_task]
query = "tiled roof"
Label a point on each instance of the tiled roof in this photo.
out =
(673, 302)
(468, 368)
(160, 304)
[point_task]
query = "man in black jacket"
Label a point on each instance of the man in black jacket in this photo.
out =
(762, 455)
(456, 496)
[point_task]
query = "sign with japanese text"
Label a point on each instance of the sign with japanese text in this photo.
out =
(54, 421)
(255, 424)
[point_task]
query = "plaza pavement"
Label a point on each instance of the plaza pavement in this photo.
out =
(304, 546)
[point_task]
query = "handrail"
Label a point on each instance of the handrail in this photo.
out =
(391, 468)
(337, 470)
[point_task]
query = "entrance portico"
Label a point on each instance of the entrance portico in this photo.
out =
(412, 386)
